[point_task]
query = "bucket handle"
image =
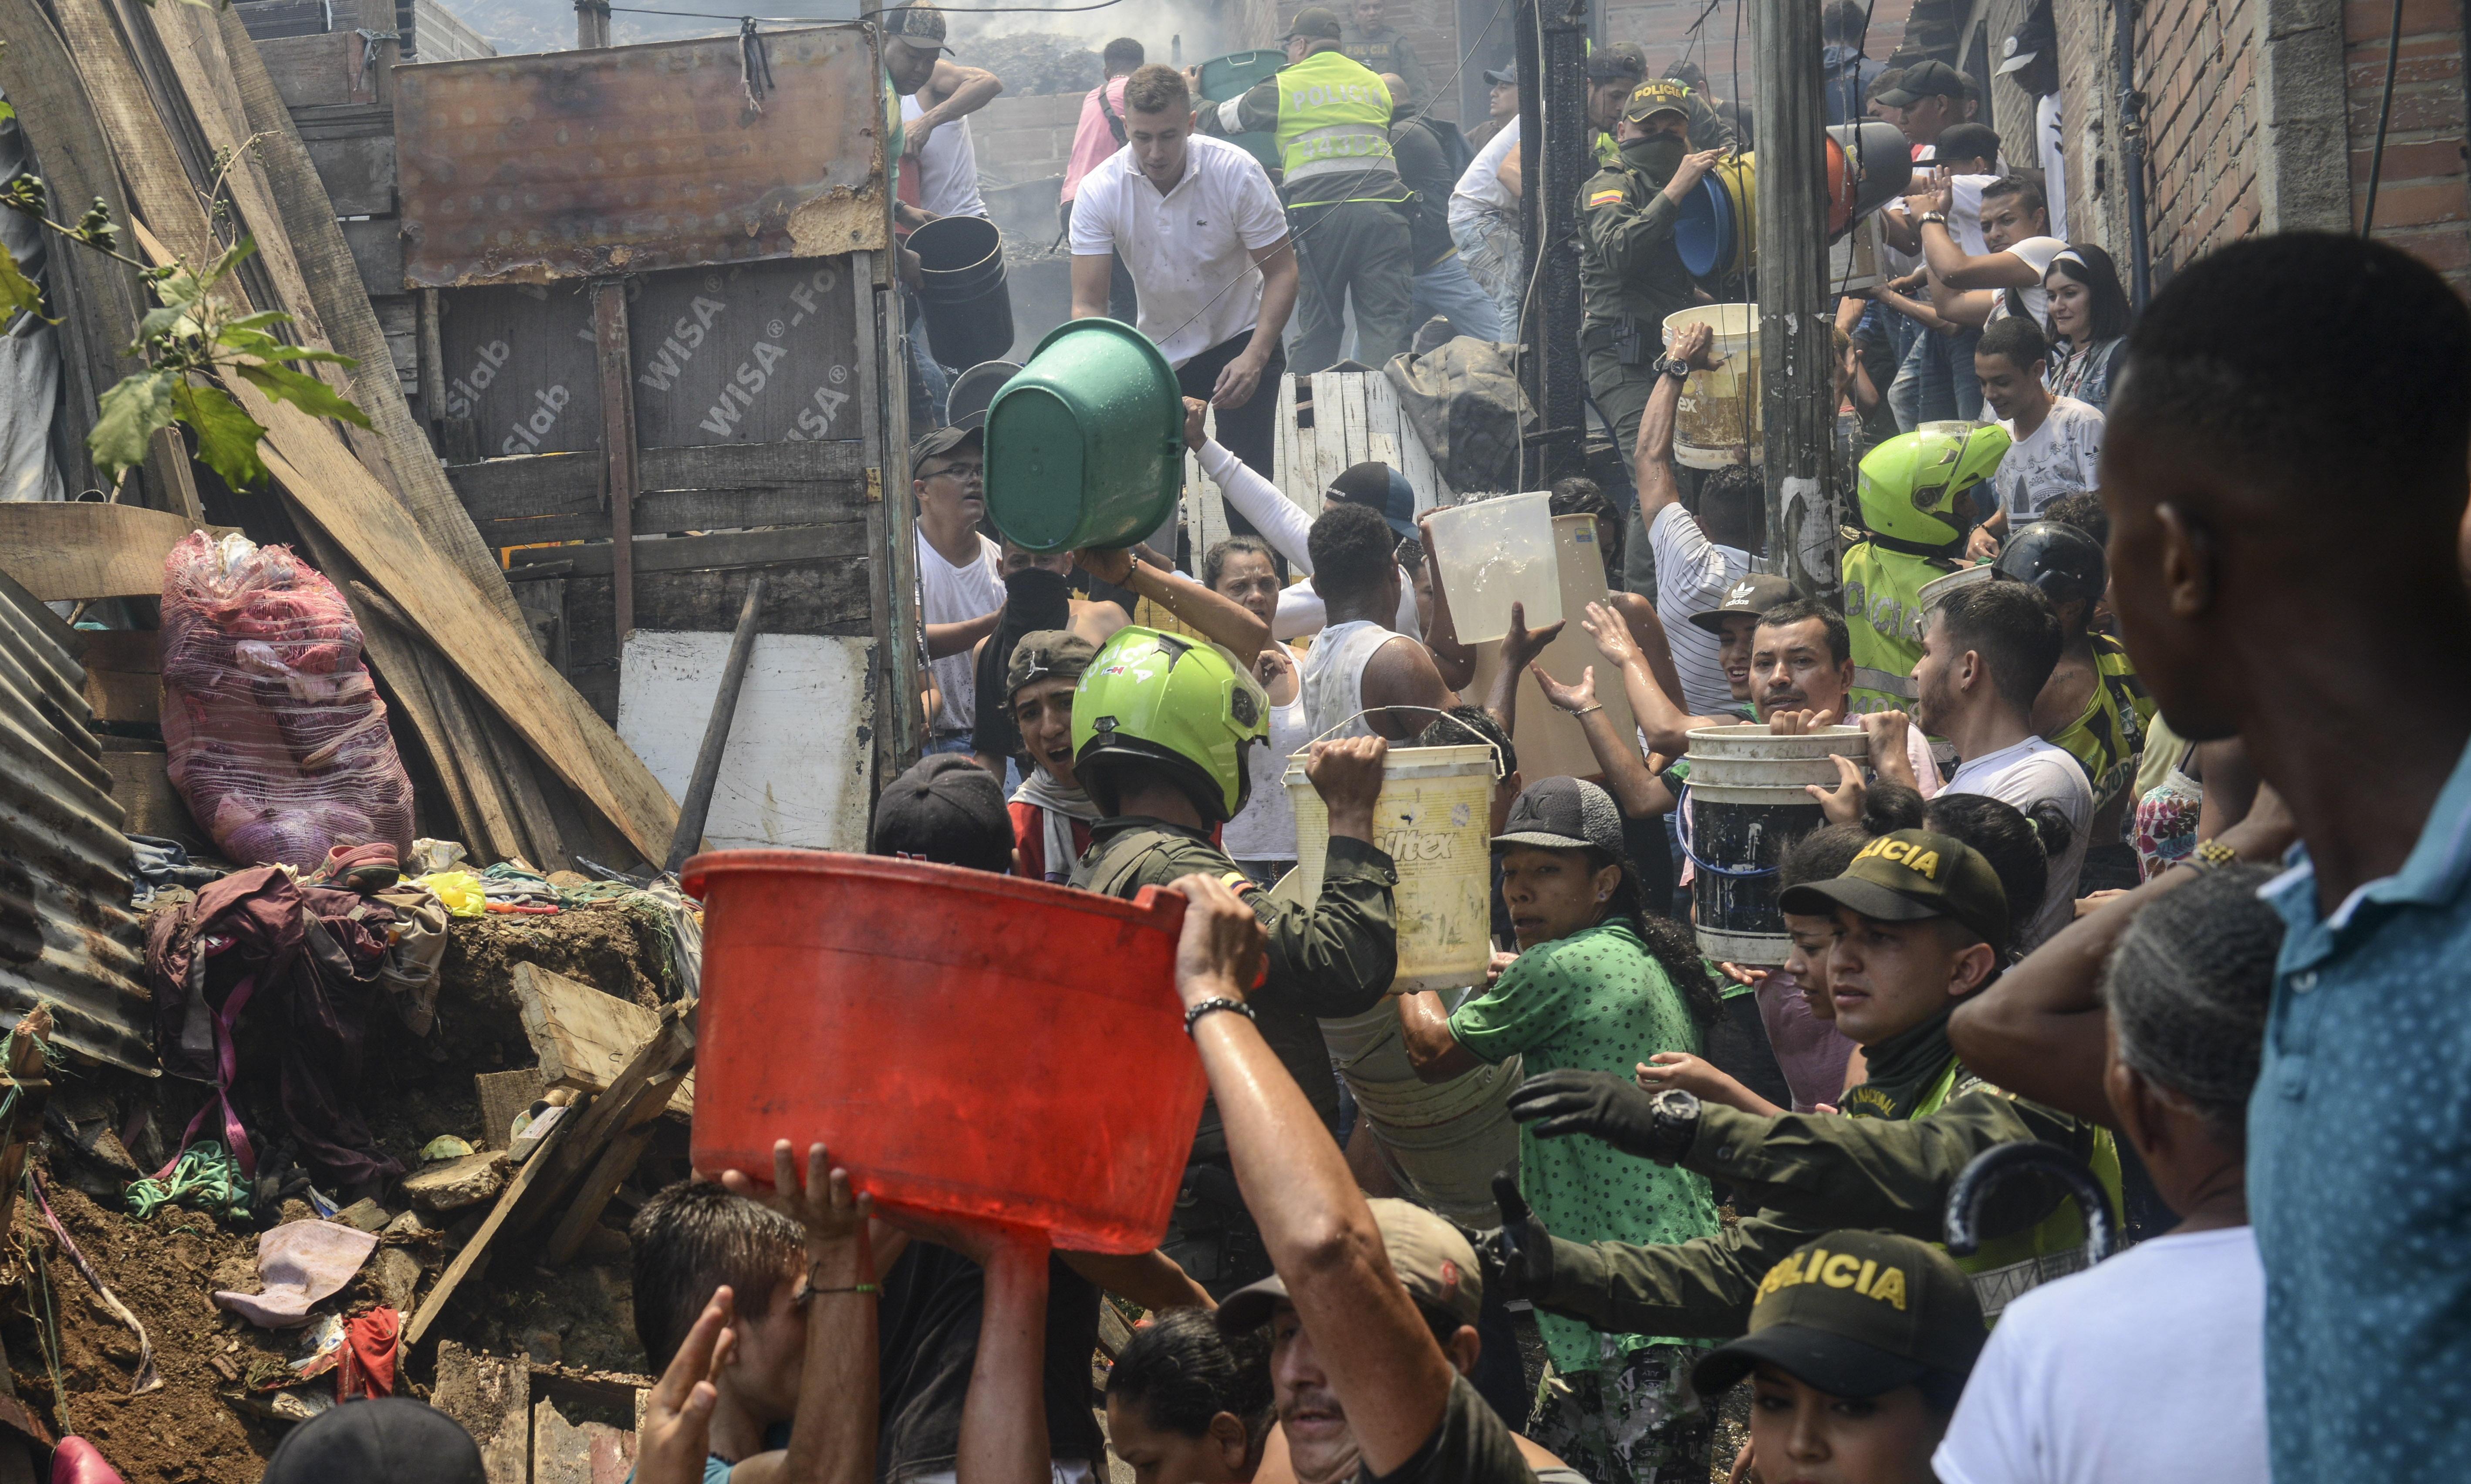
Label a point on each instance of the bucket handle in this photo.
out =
(1681, 832)
(1498, 772)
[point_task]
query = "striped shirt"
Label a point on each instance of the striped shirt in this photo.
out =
(1691, 576)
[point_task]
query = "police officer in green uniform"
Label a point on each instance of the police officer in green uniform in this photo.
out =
(1912, 1129)
(1916, 500)
(1630, 271)
(1159, 726)
(1346, 206)
(1381, 48)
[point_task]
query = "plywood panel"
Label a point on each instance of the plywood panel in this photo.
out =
(800, 756)
(586, 163)
(758, 353)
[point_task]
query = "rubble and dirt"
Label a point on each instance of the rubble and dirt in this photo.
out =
(1034, 62)
(202, 1424)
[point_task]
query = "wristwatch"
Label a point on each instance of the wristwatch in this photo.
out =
(1679, 370)
(1673, 1123)
(1939, 217)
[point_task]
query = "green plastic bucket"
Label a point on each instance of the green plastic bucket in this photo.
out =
(1085, 444)
(1235, 75)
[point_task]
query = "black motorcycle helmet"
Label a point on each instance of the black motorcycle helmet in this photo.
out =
(2062, 561)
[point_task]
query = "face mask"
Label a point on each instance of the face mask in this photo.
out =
(1656, 157)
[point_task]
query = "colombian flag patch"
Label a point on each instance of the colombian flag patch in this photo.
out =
(1604, 197)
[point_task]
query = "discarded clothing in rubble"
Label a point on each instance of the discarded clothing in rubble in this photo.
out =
(301, 1262)
(306, 958)
(368, 1356)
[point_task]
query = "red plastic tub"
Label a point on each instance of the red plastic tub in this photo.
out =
(963, 1043)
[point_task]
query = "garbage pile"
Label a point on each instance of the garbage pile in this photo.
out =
(1033, 63)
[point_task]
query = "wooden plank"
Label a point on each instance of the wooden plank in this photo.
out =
(124, 677)
(527, 1175)
(619, 480)
(802, 179)
(269, 20)
(141, 785)
(410, 471)
(607, 1173)
(502, 1095)
(504, 490)
(784, 546)
(671, 1048)
(358, 174)
(1330, 433)
(585, 1037)
(316, 121)
(63, 550)
(376, 245)
(317, 70)
(1350, 408)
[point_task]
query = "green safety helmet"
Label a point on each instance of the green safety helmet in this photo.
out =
(1177, 703)
(1909, 483)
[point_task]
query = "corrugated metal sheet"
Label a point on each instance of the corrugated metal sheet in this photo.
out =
(66, 934)
(629, 158)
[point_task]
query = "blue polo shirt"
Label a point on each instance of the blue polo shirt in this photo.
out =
(2358, 1168)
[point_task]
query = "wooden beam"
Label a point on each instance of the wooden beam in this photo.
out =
(615, 361)
(607, 1173)
(671, 1048)
(786, 544)
(527, 1175)
(556, 484)
(63, 550)
(582, 1036)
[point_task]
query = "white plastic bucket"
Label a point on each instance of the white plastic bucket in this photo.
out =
(1719, 415)
(1435, 821)
(1747, 805)
(1495, 552)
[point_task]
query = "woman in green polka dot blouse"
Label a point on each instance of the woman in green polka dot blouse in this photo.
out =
(1597, 984)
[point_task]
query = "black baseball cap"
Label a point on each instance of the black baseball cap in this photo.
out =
(921, 26)
(1383, 490)
(943, 440)
(1922, 79)
(1908, 875)
(1753, 593)
(1563, 813)
(1502, 77)
(1662, 95)
(1855, 1314)
(947, 810)
(2028, 41)
(386, 1440)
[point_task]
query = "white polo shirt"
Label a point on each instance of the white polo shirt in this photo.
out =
(1185, 245)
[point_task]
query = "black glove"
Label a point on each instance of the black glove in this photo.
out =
(1654, 1127)
(1518, 1257)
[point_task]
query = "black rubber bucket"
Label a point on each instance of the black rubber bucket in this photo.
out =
(967, 306)
(975, 389)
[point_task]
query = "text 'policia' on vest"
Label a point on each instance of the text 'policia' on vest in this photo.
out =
(1333, 128)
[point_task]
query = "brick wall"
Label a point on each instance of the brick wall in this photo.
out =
(2194, 61)
(2423, 204)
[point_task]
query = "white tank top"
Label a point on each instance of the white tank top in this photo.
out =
(1333, 688)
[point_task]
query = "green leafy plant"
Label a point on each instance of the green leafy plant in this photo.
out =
(190, 338)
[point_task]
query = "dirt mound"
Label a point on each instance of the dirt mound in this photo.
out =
(1033, 63)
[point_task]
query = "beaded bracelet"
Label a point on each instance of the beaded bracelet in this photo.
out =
(1220, 1002)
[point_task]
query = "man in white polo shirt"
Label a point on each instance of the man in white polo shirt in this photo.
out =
(1199, 225)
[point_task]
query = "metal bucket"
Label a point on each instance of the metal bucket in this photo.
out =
(967, 306)
(1745, 806)
(974, 391)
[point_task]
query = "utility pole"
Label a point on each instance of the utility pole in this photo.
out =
(1554, 161)
(1796, 352)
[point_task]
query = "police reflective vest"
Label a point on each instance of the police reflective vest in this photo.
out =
(2005, 1266)
(1334, 122)
(2110, 734)
(1883, 617)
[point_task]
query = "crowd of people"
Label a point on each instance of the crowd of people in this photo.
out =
(2143, 877)
(2042, 916)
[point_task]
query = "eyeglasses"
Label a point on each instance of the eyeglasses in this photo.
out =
(964, 472)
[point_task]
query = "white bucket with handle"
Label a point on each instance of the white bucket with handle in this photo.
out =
(1434, 820)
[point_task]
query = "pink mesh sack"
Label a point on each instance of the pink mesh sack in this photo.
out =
(277, 737)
